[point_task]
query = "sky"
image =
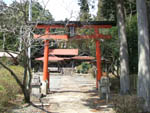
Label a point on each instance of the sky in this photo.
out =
(62, 9)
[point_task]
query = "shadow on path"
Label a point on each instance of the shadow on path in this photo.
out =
(41, 108)
(95, 103)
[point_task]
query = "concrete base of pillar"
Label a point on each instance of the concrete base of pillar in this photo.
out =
(36, 92)
(35, 85)
(44, 87)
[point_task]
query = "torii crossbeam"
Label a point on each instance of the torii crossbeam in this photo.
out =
(70, 29)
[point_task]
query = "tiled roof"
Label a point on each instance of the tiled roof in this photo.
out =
(65, 52)
(51, 58)
(83, 58)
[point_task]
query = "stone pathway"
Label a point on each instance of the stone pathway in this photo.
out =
(70, 94)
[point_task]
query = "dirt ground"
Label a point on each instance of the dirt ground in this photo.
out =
(72, 94)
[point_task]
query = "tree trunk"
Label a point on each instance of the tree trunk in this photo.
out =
(26, 94)
(143, 89)
(124, 69)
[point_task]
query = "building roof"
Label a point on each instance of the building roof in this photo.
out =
(83, 58)
(56, 59)
(65, 52)
(51, 59)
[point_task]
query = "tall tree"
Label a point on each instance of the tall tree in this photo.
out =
(124, 66)
(143, 86)
(85, 46)
(108, 8)
(99, 12)
(84, 10)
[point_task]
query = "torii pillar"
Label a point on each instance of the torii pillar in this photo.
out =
(45, 82)
(98, 58)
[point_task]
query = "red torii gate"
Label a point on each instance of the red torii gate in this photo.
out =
(71, 28)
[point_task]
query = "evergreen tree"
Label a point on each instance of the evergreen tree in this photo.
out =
(99, 16)
(84, 10)
(86, 46)
(108, 9)
(124, 63)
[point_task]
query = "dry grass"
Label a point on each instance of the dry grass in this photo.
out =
(8, 86)
(128, 104)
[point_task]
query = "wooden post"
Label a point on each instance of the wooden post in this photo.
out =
(98, 57)
(45, 66)
(45, 81)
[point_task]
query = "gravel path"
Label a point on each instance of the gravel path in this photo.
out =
(70, 94)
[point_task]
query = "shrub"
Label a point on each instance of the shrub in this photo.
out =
(127, 104)
(84, 67)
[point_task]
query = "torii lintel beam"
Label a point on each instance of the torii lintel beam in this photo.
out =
(71, 29)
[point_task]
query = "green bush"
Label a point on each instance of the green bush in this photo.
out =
(84, 67)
